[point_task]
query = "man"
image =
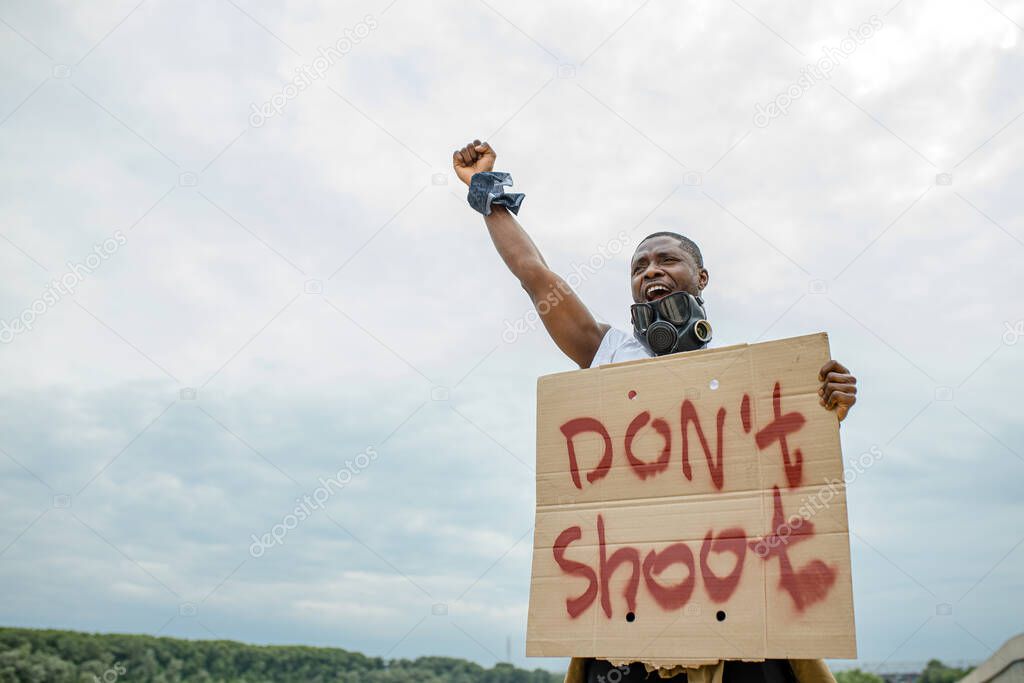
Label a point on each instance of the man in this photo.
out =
(662, 264)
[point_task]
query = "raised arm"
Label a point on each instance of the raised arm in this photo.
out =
(571, 326)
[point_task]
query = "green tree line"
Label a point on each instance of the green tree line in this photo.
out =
(48, 656)
(934, 672)
(37, 656)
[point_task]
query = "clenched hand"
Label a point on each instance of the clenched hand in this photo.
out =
(476, 157)
(838, 390)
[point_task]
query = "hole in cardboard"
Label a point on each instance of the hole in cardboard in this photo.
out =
(713, 384)
(720, 615)
(630, 617)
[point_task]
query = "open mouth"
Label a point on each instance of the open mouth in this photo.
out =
(656, 290)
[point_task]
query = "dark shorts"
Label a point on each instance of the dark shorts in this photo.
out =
(769, 671)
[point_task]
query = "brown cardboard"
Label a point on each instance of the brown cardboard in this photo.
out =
(806, 612)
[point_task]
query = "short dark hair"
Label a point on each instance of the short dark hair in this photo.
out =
(686, 243)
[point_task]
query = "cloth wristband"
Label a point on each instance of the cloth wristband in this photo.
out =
(488, 189)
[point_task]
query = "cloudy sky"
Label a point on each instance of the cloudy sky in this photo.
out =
(259, 283)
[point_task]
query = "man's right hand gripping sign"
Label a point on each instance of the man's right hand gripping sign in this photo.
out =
(667, 278)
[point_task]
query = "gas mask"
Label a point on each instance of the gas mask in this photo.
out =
(675, 322)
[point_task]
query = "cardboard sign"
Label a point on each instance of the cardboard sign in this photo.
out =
(692, 508)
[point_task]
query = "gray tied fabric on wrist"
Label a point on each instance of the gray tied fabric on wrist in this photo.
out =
(488, 188)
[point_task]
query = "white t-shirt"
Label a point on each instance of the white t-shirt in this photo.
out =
(618, 346)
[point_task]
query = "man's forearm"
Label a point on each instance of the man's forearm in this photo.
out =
(571, 326)
(515, 246)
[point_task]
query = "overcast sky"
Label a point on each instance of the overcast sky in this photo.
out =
(270, 281)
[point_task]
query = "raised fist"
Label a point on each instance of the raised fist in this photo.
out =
(476, 157)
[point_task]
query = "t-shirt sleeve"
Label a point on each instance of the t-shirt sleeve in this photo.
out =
(613, 339)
